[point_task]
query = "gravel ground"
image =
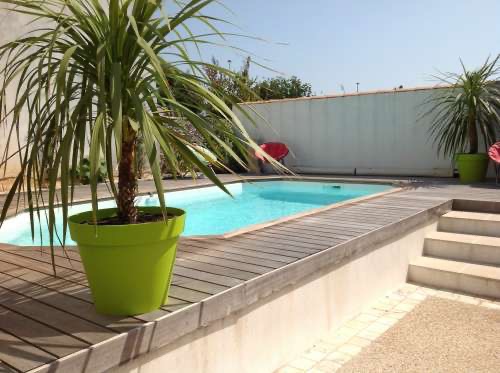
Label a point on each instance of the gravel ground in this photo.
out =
(439, 335)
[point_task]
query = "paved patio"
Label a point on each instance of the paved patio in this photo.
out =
(458, 334)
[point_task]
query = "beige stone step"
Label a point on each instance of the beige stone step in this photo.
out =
(475, 223)
(463, 247)
(475, 279)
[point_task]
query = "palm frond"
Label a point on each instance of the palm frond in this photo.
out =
(467, 108)
(94, 76)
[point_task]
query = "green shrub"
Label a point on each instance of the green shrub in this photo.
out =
(82, 172)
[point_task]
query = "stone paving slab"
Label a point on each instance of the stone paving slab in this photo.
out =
(393, 335)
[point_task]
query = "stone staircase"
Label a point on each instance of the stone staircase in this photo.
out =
(463, 255)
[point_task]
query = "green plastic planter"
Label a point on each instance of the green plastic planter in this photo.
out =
(128, 267)
(472, 167)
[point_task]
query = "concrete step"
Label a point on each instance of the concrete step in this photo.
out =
(475, 279)
(475, 223)
(463, 247)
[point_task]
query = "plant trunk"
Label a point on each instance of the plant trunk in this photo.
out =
(472, 130)
(127, 181)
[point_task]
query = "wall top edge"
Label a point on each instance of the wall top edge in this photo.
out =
(366, 93)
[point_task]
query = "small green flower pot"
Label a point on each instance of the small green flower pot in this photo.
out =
(128, 267)
(472, 167)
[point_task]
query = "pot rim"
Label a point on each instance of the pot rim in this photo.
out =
(127, 234)
(77, 219)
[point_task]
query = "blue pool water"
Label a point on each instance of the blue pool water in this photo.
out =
(210, 211)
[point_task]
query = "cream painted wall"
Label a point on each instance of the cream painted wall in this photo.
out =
(12, 25)
(272, 332)
(374, 134)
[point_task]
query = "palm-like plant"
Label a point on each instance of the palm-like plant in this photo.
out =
(95, 76)
(468, 108)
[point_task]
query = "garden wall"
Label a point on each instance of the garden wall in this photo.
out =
(264, 336)
(376, 133)
(12, 25)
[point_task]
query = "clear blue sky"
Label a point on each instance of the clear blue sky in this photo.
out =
(379, 43)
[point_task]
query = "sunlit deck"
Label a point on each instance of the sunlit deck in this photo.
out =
(49, 323)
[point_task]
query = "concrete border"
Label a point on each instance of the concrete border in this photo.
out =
(488, 207)
(365, 93)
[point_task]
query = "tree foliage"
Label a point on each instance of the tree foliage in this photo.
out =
(241, 87)
(279, 88)
(236, 85)
(468, 108)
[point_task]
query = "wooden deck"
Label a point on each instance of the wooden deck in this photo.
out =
(49, 323)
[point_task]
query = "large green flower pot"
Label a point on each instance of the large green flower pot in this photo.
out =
(128, 267)
(472, 167)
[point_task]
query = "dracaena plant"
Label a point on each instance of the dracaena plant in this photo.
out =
(94, 77)
(467, 111)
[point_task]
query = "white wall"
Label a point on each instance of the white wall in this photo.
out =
(269, 334)
(374, 133)
(12, 25)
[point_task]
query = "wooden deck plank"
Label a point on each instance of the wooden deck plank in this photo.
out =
(222, 262)
(174, 304)
(260, 247)
(222, 280)
(206, 276)
(47, 281)
(192, 291)
(67, 302)
(326, 242)
(303, 235)
(42, 263)
(262, 264)
(341, 221)
(372, 213)
(326, 234)
(45, 268)
(270, 242)
(194, 284)
(21, 355)
(4, 368)
(356, 211)
(402, 199)
(75, 306)
(188, 295)
(352, 216)
(324, 228)
(390, 206)
(43, 337)
(215, 269)
(228, 247)
(332, 226)
(67, 323)
(260, 235)
(75, 263)
(389, 209)
(330, 238)
(337, 224)
(61, 262)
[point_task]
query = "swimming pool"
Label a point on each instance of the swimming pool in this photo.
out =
(210, 211)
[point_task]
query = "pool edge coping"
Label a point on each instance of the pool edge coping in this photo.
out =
(257, 227)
